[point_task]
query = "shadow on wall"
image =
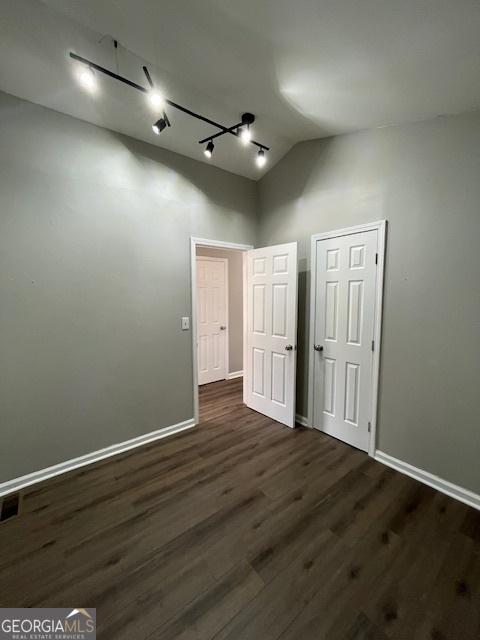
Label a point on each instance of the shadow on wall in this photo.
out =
(312, 158)
(303, 332)
(204, 177)
(286, 226)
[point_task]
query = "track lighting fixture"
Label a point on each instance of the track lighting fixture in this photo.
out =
(209, 150)
(87, 78)
(160, 125)
(240, 130)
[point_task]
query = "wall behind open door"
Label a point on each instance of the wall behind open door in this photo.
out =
(270, 367)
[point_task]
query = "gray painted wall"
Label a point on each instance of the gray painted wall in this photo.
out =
(94, 278)
(425, 180)
(235, 304)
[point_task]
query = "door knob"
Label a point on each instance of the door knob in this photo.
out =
(222, 328)
(288, 347)
(318, 347)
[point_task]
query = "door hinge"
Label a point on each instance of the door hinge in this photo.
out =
(369, 427)
(373, 345)
(376, 258)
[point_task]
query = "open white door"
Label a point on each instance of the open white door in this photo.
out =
(271, 352)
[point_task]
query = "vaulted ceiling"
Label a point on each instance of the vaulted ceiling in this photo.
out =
(305, 68)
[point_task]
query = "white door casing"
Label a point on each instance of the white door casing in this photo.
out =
(270, 367)
(212, 328)
(344, 330)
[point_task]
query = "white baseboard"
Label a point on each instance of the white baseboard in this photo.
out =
(235, 374)
(301, 420)
(10, 486)
(450, 489)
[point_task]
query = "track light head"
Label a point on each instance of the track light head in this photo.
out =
(245, 132)
(160, 125)
(87, 78)
(209, 149)
(261, 158)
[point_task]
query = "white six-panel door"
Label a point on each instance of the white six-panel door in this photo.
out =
(272, 331)
(212, 330)
(344, 327)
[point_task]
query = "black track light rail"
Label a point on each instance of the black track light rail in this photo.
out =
(175, 105)
(222, 133)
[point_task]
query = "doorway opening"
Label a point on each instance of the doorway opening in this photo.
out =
(267, 308)
(218, 322)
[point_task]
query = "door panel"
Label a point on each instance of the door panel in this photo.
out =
(344, 302)
(211, 317)
(271, 327)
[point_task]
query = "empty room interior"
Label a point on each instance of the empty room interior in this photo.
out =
(240, 320)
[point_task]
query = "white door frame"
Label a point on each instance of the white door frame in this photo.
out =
(213, 244)
(380, 226)
(227, 330)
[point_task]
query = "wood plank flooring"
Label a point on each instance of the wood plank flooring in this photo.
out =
(245, 529)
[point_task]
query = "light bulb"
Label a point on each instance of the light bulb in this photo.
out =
(246, 134)
(87, 78)
(157, 101)
(261, 158)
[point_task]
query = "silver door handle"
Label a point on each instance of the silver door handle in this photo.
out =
(288, 347)
(318, 347)
(222, 328)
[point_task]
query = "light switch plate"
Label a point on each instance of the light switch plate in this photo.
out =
(185, 323)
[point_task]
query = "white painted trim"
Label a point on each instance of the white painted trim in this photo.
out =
(381, 239)
(381, 227)
(301, 420)
(235, 374)
(219, 244)
(245, 321)
(448, 488)
(16, 484)
(227, 318)
(347, 231)
(311, 340)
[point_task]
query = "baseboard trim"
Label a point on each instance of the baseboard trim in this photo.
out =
(10, 486)
(453, 490)
(301, 420)
(235, 374)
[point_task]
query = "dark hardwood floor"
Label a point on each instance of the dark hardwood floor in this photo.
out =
(245, 529)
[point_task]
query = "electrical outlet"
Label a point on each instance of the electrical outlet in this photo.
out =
(185, 323)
